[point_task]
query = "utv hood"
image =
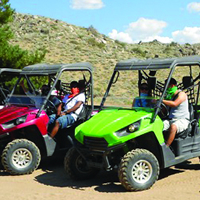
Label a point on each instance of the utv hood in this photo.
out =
(9, 113)
(107, 122)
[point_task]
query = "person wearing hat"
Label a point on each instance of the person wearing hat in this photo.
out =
(144, 99)
(72, 104)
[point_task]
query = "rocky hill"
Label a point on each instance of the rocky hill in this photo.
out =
(67, 43)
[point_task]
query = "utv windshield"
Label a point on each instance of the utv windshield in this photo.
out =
(8, 79)
(29, 91)
(144, 88)
(26, 100)
(136, 89)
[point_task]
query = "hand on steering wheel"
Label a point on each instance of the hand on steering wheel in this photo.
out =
(164, 112)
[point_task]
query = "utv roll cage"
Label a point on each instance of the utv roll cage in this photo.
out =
(158, 88)
(5, 75)
(53, 72)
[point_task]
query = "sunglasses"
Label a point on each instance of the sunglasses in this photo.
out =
(144, 88)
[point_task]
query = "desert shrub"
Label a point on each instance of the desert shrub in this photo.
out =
(138, 51)
(93, 42)
(92, 30)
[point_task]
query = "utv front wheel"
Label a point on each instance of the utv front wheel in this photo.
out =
(76, 166)
(138, 170)
(20, 157)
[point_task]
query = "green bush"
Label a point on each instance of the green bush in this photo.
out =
(93, 42)
(122, 44)
(139, 52)
(92, 30)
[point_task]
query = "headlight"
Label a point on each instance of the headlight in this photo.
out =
(128, 130)
(133, 127)
(14, 122)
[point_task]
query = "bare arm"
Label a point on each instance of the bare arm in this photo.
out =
(23, 87)
(181, 97)
(59, 109)
(133, 103)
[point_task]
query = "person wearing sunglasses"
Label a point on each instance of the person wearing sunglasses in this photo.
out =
(143, 100)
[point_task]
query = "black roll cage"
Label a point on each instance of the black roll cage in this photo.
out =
(54, 72)
(153, 65)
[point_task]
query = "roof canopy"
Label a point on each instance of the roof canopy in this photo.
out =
(10, 71)
(156, 63)
(51, 69)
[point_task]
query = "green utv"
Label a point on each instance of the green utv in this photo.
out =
(131, 139)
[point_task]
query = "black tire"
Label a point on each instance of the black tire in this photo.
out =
(138, 170)
(20, 157)
(76, 166)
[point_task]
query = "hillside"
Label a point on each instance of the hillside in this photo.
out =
(67, 43)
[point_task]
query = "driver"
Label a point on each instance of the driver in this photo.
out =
(177, 102)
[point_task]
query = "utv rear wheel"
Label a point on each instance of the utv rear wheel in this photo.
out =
(20, 157)
(138, 170)
(76, 166)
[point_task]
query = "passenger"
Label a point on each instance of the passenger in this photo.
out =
(143, 99)
(178, 113)
(72, 107)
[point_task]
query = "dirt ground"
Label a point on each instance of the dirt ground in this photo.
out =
(50, 182)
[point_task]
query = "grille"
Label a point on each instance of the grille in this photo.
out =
(95, 143)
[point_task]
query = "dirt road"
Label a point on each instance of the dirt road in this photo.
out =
(50, 182)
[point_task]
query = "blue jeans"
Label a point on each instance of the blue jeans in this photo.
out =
(64, 120)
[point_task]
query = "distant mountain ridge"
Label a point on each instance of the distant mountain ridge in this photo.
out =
(67, 43)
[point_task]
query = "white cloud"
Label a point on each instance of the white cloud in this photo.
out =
(194, 7)
(147, 30)
(121, 36)
(187, 35)
(142, 30)
(86, 4)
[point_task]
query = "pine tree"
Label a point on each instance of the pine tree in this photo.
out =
(13, 56)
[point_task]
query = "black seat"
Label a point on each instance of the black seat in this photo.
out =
(187, 132)
(83, 114)
(187, 81)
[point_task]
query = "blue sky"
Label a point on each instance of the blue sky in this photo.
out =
(129, 21)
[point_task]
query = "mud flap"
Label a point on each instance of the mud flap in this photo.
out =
(168, 155)
(50, 145)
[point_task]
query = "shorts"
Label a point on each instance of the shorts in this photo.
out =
(181, 124)
(64, 120)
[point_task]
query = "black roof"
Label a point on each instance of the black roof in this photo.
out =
(10, 71)
(156, 63)
(51, 69)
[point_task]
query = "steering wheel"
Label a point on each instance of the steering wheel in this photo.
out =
(164, 112)
(50, 107)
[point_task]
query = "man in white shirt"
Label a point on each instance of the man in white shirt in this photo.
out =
(72, 109)
(179, 113)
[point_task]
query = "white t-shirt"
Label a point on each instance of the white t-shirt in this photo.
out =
(72, 103)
